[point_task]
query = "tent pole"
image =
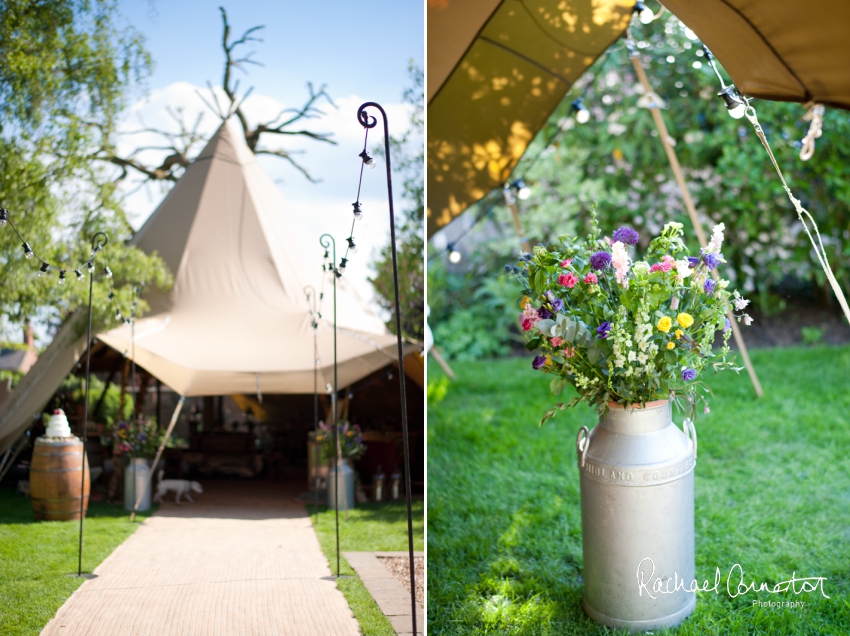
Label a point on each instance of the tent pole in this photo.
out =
(370, 122)
(692, 213)
(97, 242)
(159, 451)
(311, 298)
(326, 241)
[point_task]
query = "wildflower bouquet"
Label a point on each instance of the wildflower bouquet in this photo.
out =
(139, 439)
(351, 444)
(627, 331)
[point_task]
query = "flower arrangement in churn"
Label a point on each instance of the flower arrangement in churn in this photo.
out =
(627, 331)
(351, 444)
(135, 439)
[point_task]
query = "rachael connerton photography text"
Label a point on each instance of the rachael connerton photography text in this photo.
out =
(736, 584)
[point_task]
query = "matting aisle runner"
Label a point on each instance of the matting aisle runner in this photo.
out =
(243, 560)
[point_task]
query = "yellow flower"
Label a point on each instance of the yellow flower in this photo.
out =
(679, 334)
(525, 300)
(664, 324)
(671, 344)
(686, 320)
(548, 361)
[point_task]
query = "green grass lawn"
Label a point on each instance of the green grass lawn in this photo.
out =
(772, 494)
(36, 556)
(371, 527)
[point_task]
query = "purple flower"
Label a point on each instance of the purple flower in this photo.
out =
(693, 261)
(142, 437)
(123, 425)
(539, 362)
(626, 235)
(727, 326)
(711, 261)
(558, 304)
(600, 260)
(688, 374)
(603, 330)
(544, 313)
(708, 286)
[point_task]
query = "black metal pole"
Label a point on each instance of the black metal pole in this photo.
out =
(323, 241)
(314, 323)
(368, 121)
(96, 245)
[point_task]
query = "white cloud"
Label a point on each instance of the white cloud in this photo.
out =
(326, 205)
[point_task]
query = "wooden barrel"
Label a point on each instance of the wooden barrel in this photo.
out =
(55, 479)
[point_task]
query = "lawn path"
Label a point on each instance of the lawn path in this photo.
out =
(242, 560)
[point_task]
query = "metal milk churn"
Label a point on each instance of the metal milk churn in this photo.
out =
(378, 485)
(395, 483)
(637, 517)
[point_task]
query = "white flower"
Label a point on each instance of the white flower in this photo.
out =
(747, 320)
(674, 304)
(683, 269)
(716, 241)
(740, 303)
(723, 284)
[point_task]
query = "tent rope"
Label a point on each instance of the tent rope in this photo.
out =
(802, 214)
(815, 115)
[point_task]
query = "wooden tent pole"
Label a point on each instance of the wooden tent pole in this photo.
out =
(692, 212)
(158, 455)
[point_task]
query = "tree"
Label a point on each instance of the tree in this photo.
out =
(409, 224)
(178, 146)
(65, 67)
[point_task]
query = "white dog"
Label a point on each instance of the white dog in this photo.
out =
(179, 486)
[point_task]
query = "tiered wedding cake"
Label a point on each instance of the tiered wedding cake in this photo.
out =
(58, 425)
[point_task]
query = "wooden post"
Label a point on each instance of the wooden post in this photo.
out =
(511, 201)
(692, 213)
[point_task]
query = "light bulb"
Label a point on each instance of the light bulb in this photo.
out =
(79, 274)
(455, 256)
(108, 273)
(358, 211)
(367, 159)
(27, 250)
(351, 246)
(646, 15)
(61, 276)
(738, 111)
(43, 270)
(4, 216)
(583, 116)
(90, 265)
(342, 263)
(524, 192)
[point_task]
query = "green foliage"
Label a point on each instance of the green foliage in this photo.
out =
(109, 410)
(37, 556)
(504, 512)
(410, 244)
(66, 74)
(812, 335)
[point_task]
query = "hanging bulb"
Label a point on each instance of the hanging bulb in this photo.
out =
(367, 159)
(358, 212)
(79, 274)
(582, 114)
(337, 273)
(645, 14)
(43, 270)
(27, 250)
(351, 246)
(523, 191)
(111, 295)
(61, 276)
(734, 104)
(4, 217)
(342, 263)
(108, 273)
(454, 255)
(117, 315)
(329, 388)
(90, 265)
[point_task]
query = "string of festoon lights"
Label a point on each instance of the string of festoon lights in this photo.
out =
(45, 268)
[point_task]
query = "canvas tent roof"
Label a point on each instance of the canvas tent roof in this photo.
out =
(237, 318)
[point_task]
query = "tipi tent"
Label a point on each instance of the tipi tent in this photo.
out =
(237, 319)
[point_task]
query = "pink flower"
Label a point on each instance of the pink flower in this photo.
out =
(529, 317)
(566, 263)
(556, 341)
(568, 280)
(590, 279)
(656, 267)
(667, 263)
(569, 352)
(621, 262)
(526, 323)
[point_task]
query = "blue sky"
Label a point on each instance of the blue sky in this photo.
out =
(359, 51)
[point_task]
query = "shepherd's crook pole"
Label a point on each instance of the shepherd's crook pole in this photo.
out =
(368, 121)
(158, 455)
(692, 212)
(97, 243)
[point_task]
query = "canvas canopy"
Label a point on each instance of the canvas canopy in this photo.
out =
(237, 319)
